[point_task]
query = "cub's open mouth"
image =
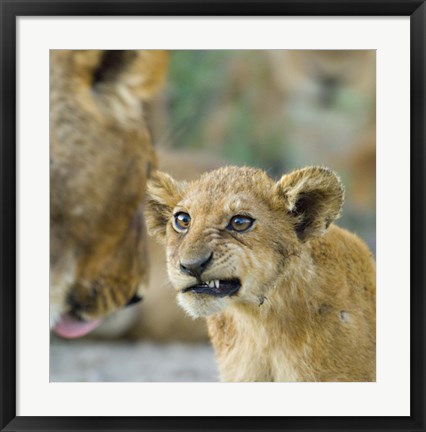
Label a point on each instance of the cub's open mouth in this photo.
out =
(216, 288)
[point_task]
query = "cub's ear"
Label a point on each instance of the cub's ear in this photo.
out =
(163, 193)
(313, 197)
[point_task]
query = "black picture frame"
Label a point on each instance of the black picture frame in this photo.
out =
(12, 9)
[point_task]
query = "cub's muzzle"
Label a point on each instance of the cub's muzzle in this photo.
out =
(196, 268)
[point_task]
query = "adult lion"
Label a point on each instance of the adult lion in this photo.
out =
(100, 157)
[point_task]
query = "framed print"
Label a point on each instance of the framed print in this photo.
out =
(281, 107)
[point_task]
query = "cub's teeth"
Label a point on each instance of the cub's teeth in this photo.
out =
(213, 283)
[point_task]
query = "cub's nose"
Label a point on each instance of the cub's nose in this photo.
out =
(196, 268)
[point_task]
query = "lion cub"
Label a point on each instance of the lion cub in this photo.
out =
(288, 295)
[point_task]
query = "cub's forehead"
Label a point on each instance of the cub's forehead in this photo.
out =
(231, 188)
(233, 180)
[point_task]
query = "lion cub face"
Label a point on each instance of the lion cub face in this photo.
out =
(232, 234)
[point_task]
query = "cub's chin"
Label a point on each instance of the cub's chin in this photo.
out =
(201, 305)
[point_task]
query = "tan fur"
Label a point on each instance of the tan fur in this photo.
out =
(159, 317)
(172, 323)
(306, 307)
(101, 155)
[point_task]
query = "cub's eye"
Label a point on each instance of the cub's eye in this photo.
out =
(240, 223)
(181, 221)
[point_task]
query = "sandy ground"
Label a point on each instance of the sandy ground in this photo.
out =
(97, 361)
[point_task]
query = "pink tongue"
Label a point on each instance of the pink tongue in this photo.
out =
(70, 327)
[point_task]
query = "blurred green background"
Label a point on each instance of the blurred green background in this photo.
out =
(278, 110)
